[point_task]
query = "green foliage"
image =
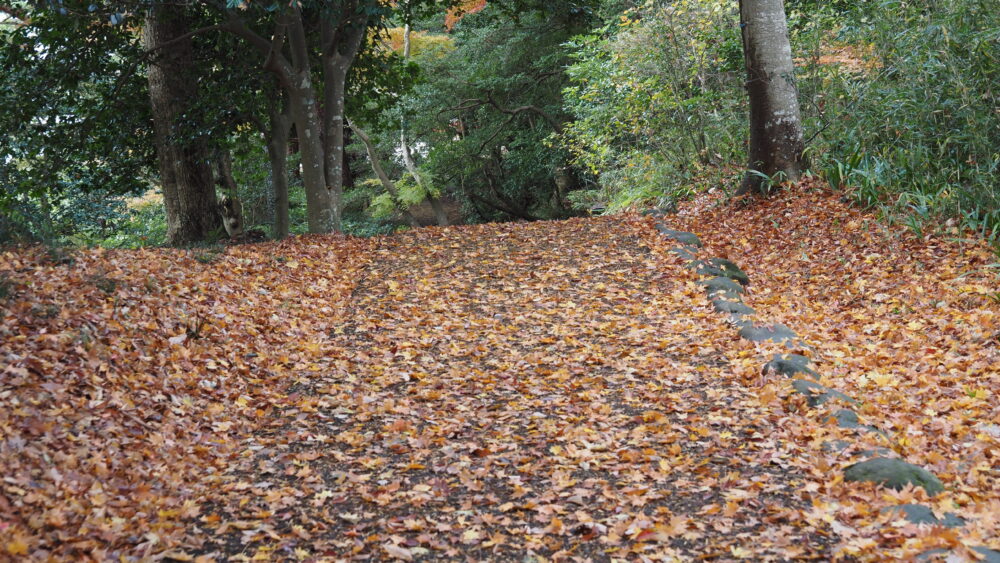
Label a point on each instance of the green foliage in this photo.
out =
(915, 130)
(485, 109)
(382, 206)
(657, 100)
(74, 113)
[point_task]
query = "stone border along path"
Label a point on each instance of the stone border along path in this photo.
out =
(725, 284)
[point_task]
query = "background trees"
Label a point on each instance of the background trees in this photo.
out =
(506, 110)
(488, 110)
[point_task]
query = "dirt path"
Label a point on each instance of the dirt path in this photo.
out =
(524, 392)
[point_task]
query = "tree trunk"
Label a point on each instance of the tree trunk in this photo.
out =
(349, 180)
(230, 206)
(440, 215)
(277, 152)
(321, 213)
(340, 48)
(380, 172)
(185, 172)
(775, 127)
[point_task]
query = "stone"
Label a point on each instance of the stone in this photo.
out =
(835, 446)
(989, 555)
(790, 365)
(760, 333)
(668, 208)
(720, 267)
(920, 514)
(682, 237)
(893, 474)
(817, 394)
(931, 553)
(731, 307)
(877, 452)
(723, 285)
(685, 252)
(846, 418)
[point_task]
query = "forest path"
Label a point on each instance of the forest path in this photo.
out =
(556, 389)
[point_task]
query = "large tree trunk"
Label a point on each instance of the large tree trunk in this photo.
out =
(185, 170)
(775, 127)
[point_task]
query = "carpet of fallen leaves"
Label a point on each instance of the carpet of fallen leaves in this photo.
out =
(557, 390)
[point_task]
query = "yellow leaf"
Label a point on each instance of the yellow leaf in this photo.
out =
(17, 547)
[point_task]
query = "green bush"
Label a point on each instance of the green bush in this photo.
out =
(657, 101)
(917, 132)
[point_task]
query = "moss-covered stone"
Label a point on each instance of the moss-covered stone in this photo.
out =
(846, 418)
(877, 452)
(760, 333)
(667, 209)
(920, 514)
(894, 474)
(817, 394)
(790, 365)
(722, 285)
(733, 307)
(720, 267)
(685, 252)
(682, 237)
(989, 555)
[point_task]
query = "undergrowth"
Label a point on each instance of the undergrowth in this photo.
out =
(898, 102)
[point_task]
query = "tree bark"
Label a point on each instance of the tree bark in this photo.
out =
(230, 206)
(349, 179)
(775, 126)
(295, 78)
(320, 211)
(340, 48)
(185, 172)
(277, 152)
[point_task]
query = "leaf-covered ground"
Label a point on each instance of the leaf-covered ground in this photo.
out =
(561, 390)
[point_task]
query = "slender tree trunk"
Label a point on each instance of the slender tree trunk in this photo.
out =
(440, 215)
(340, 48)
(775, 126)
(277, 152)
(349, 180)
(185, 172)
(380, 172)
(230, 206)
(320, 211)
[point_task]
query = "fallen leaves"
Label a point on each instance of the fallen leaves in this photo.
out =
(558, 389)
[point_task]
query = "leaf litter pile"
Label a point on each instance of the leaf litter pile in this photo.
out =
(560, 390)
